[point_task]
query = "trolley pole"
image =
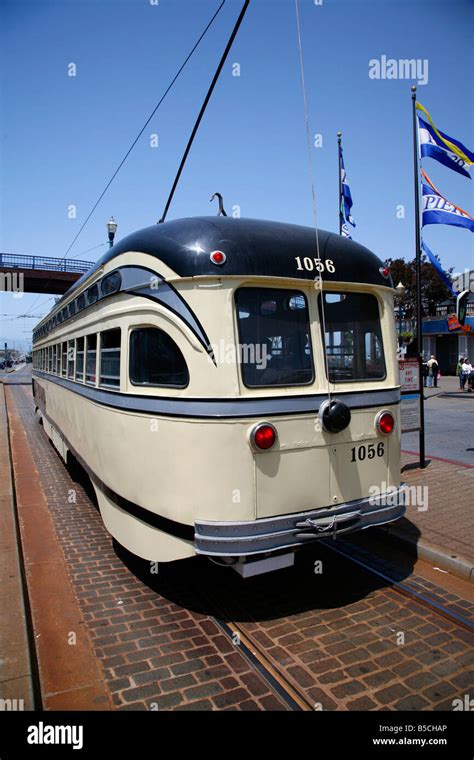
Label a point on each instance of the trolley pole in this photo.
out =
(341, 218)
(419, 304)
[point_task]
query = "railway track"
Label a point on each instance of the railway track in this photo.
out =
(244, 611)
(286, 687)
(403, 590)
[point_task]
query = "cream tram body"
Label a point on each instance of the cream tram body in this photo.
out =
(158, 367)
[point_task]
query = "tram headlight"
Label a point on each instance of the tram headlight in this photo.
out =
(263, 436)
(385, 422)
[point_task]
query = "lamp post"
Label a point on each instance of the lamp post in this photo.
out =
(400, 290)
(111, 229)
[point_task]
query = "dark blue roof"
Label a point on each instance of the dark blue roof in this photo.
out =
(252, 247)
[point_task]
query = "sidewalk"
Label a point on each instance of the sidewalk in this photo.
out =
(448, 384)
(439, 520)
(68, 672)
(16, 680)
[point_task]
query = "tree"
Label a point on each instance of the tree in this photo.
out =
(433, 289)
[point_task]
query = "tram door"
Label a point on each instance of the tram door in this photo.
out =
(295, 476)
(355, 355)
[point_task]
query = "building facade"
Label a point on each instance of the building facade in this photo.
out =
(445, 343)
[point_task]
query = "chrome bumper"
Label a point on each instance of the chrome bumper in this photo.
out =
(237, 539)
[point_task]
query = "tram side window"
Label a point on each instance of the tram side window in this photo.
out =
(53, 366)
(80, 359)
(110, 358)
(64, 360)
(156, 360)
(274, 337)
(91, 359)
(353, 339)
(58, 359)
(70, 359)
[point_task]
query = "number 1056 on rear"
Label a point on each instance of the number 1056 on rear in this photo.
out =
(369, 451)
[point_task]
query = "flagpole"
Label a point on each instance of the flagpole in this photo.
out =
(419, 304)
(339, 135)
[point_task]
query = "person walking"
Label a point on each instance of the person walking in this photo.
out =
(459, 371)
(425, 371)
(466, 374)
(433, 369)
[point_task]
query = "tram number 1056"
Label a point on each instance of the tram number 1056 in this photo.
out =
(314, 265)
(359, 453)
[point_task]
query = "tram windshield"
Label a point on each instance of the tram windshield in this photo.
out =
(274, 334)
(353, 338)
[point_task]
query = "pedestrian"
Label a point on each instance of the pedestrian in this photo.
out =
(459, 371)
(466, 374)
(433, 369)
(425, 371)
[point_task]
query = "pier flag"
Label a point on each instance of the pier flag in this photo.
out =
(443, 275)
(436, 144)
(436, 209)
(432, 147)
(345, 231)
(346, 199)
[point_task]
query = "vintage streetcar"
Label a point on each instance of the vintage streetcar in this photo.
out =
(230, 392)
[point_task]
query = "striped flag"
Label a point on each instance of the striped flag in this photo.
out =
(436, 144)
(436, 209)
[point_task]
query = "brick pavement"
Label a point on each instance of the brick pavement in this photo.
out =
(156, 654)
(16, 681)
(342, 636)
(447, 525)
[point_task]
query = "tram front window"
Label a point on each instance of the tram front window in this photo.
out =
(274, 337)
(353, 338)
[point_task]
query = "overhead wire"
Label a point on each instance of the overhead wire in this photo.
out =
(312, 181)
(190, 54)
(176, 76)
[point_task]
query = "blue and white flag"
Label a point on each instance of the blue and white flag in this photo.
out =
(346, 200)
(436, 209)
(345, 231)
(443, 275)
(432, 146)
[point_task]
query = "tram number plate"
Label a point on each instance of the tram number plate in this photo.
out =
(369, 451)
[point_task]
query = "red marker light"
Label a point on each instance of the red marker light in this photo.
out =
(385, 272)
(217, 257)
(264, 436)
(385, 423)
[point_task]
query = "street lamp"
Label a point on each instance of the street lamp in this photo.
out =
(400, 290)
(111, 229)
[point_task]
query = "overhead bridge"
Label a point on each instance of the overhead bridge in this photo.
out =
(21, 273)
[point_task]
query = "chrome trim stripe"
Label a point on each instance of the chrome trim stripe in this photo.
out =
(208, 408)
(289, 531)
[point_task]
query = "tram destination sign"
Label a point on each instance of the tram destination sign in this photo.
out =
(410, 395)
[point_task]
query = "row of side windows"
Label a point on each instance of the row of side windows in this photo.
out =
(155, 359)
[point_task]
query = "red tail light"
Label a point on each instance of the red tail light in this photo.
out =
(385, 422)
(217, 257)
(263, 436)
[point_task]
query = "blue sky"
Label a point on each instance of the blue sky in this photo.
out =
(62, 136)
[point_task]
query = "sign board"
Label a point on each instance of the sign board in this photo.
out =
(409, 375)
(410, 412)
(453, 324)
(410, 395)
